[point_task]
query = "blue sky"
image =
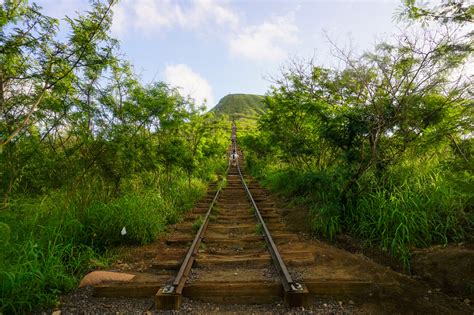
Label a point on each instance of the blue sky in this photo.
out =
(211, 48)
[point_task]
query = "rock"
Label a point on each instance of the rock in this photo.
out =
(467, 301)
(97, 277)
(56, 313)
(351, 302)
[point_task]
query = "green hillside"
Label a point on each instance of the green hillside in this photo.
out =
(240, 106)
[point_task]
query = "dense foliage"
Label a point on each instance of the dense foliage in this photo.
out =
(382, 148)
(86, 150)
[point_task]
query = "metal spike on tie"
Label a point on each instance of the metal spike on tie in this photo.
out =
(296, 286)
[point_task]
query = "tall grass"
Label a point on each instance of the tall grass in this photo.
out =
(47, 243)
(413, 206)
(418, 211)
(317, 190)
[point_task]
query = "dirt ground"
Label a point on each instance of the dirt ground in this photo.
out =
(450, 268)
(406, 295)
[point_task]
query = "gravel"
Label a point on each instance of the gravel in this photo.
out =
(81, 301)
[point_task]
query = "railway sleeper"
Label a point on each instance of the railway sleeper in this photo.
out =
(250, 261)
(233, 258)
(236, 228)
(279, 238)
(144, 288)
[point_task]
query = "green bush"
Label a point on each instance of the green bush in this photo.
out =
(35, 271)
(197, 223)
(317, 189)
(48, 243)
(422, 210)
(413, 206)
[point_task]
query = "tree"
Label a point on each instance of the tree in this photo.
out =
(34, 65)
(457, 11)
(383, 104)
(40, 77)
(296, 103)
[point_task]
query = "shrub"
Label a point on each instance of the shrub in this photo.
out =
(48, 243)
(413, 205)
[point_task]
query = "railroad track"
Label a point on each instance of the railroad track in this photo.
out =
(235, 249)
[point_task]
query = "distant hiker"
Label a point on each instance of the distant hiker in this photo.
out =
(234, 158)
(233, 138)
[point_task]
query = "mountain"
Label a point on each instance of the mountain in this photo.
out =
(240, 106)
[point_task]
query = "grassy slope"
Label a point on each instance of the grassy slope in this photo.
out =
(240, 106)
(244, 108)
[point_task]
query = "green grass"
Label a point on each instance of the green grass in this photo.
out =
(259, 229)
(423, 210)
(48, 243)
(252, 210)
(215, 209)
(197, 223)
(5, 233)
(240, 106)
(224, 183)
(36, 273)
(418, 207)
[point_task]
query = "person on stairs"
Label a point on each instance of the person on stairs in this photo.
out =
(234, 158)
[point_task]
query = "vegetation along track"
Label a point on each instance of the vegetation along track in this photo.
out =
(234, 248)
(233, 253)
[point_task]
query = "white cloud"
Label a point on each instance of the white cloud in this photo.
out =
(151, 16)
(120, 18)
(205, 9)
(190, 83)
(266, 41)
(60, 8)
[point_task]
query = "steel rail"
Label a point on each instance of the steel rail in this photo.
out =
(286, 280)
(180, 280)
(169, 296)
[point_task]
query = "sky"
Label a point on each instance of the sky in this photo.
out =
(210, 48)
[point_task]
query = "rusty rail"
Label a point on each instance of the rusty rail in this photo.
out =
(170, 295)
(288, 284)
(285, 277)
(180, 280)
